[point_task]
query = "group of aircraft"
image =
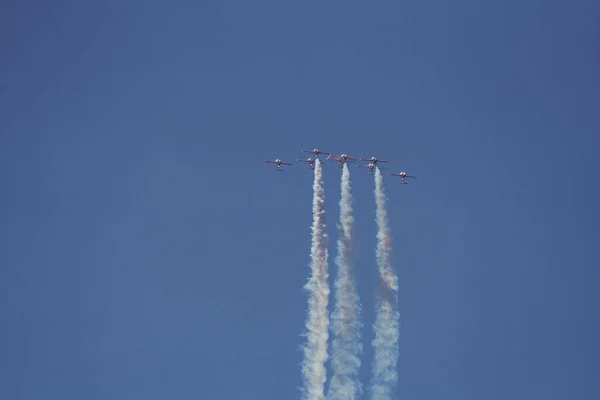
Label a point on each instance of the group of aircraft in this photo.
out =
(341, 159)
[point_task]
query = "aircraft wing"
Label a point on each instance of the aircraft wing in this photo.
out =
(395, 174)
(382, 161)
(410, 176)
(269, 161)
(286, 163)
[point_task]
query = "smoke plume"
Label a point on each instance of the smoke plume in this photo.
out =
(387, 318)
(317, 322)
(346, 345)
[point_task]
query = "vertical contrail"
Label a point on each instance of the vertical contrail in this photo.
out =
(387, 318)
(346, 346)
(317, 322)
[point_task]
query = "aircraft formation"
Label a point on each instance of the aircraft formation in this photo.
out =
(341, 160)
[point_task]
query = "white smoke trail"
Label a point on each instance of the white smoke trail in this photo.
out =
(317, 322)
(346, 346)
(387, 319)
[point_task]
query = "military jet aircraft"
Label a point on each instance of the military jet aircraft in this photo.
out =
(316, 152)
(279, 163)
(371, 167)
(310, 161)
(403, 175)
(341, 159)
(373, 160)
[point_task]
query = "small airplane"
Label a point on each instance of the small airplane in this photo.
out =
(279, 163)
(371, 167)
(373, 160)
(310, 161)
(403, 175)
(316, 152)
(341, 159)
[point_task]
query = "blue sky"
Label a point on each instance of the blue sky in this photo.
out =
(149, 253)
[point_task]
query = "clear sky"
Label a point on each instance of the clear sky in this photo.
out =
(148, 252)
